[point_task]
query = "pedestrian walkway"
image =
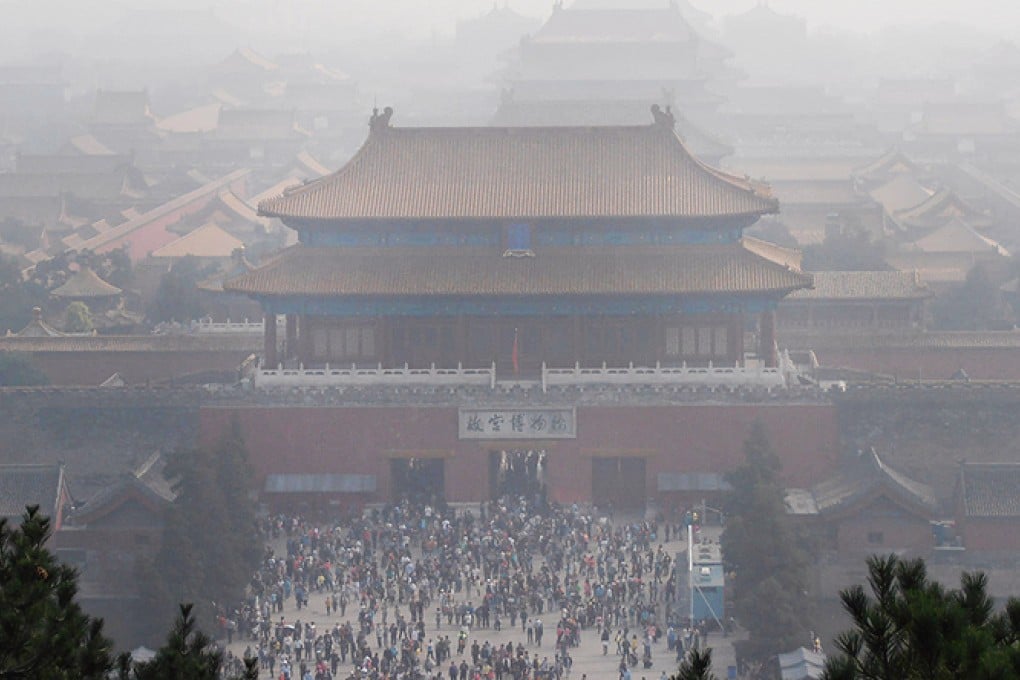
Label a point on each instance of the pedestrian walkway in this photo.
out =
(588, 658)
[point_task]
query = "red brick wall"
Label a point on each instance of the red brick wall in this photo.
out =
(909, 534)
(991, 534)
(682, 438)
(71, 368)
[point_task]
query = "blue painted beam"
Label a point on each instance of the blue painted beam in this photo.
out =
(432, 306)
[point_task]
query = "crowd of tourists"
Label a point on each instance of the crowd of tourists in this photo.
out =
(415, 591)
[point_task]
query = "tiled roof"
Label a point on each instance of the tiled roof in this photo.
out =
(29, 484)
(311, 165)
(242, 208)
(870, 285)
(616, 25)
(939, 209)
(900, 193)
(111, 237)
(664, 270)
(89, 145)
(893, 162)
(85, 283)
(990, 489)
(520, 173)
(37, 328)
(209, 240)
(198, 119)
(861, 478)
(956, 236)
(149, 486)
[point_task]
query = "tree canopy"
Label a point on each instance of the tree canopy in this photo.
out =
(44, 634)
(177, 298)
(210, 545)
(187, 653)
(760, 549)
(697, 665)
(912, 627)
(77, 318)
(850, 248)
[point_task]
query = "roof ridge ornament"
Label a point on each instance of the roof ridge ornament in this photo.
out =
(380, 121)
(664, 119)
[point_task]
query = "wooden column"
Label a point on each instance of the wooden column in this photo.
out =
(304, 340)
(269, 335)
(578, 339)
(767, 339)
(738, 325)
(460, 342)
(659, 333)
(290, 348)
(382, 341)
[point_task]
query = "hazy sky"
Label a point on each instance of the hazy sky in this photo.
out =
(423, 16)
(999, 15)
(47, 24)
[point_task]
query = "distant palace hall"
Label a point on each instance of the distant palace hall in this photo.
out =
(520, 247)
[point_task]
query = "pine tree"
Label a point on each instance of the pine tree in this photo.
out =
(696, 666)
(187, 654)
(44, 634)
(912, 627)
(210, 547)
(767, 568)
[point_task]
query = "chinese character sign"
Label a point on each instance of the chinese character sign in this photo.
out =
(524, 423)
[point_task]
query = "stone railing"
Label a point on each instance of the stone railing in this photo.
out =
(736, 376)
(336, 376)
(210, 327)
(285, 376)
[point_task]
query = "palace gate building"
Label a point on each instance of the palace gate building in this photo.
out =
(566, 311)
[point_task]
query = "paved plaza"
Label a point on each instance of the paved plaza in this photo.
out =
(588, 659)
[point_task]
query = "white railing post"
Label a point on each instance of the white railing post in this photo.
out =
(545, 382)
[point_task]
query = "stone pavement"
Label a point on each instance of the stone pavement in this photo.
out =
(588, 658)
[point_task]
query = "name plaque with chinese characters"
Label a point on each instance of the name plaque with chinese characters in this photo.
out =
(522, 423)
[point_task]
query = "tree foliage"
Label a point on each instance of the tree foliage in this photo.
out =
(177, 298)
(697, 665)
(77, 318)
(912, 627)
(44, 634)
(210, 546)
(760, 548)
(850, 248)
(17, 370)
(16, 297)
(188, 653)
(976, 305)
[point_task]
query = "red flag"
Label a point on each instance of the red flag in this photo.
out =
(513, 355)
